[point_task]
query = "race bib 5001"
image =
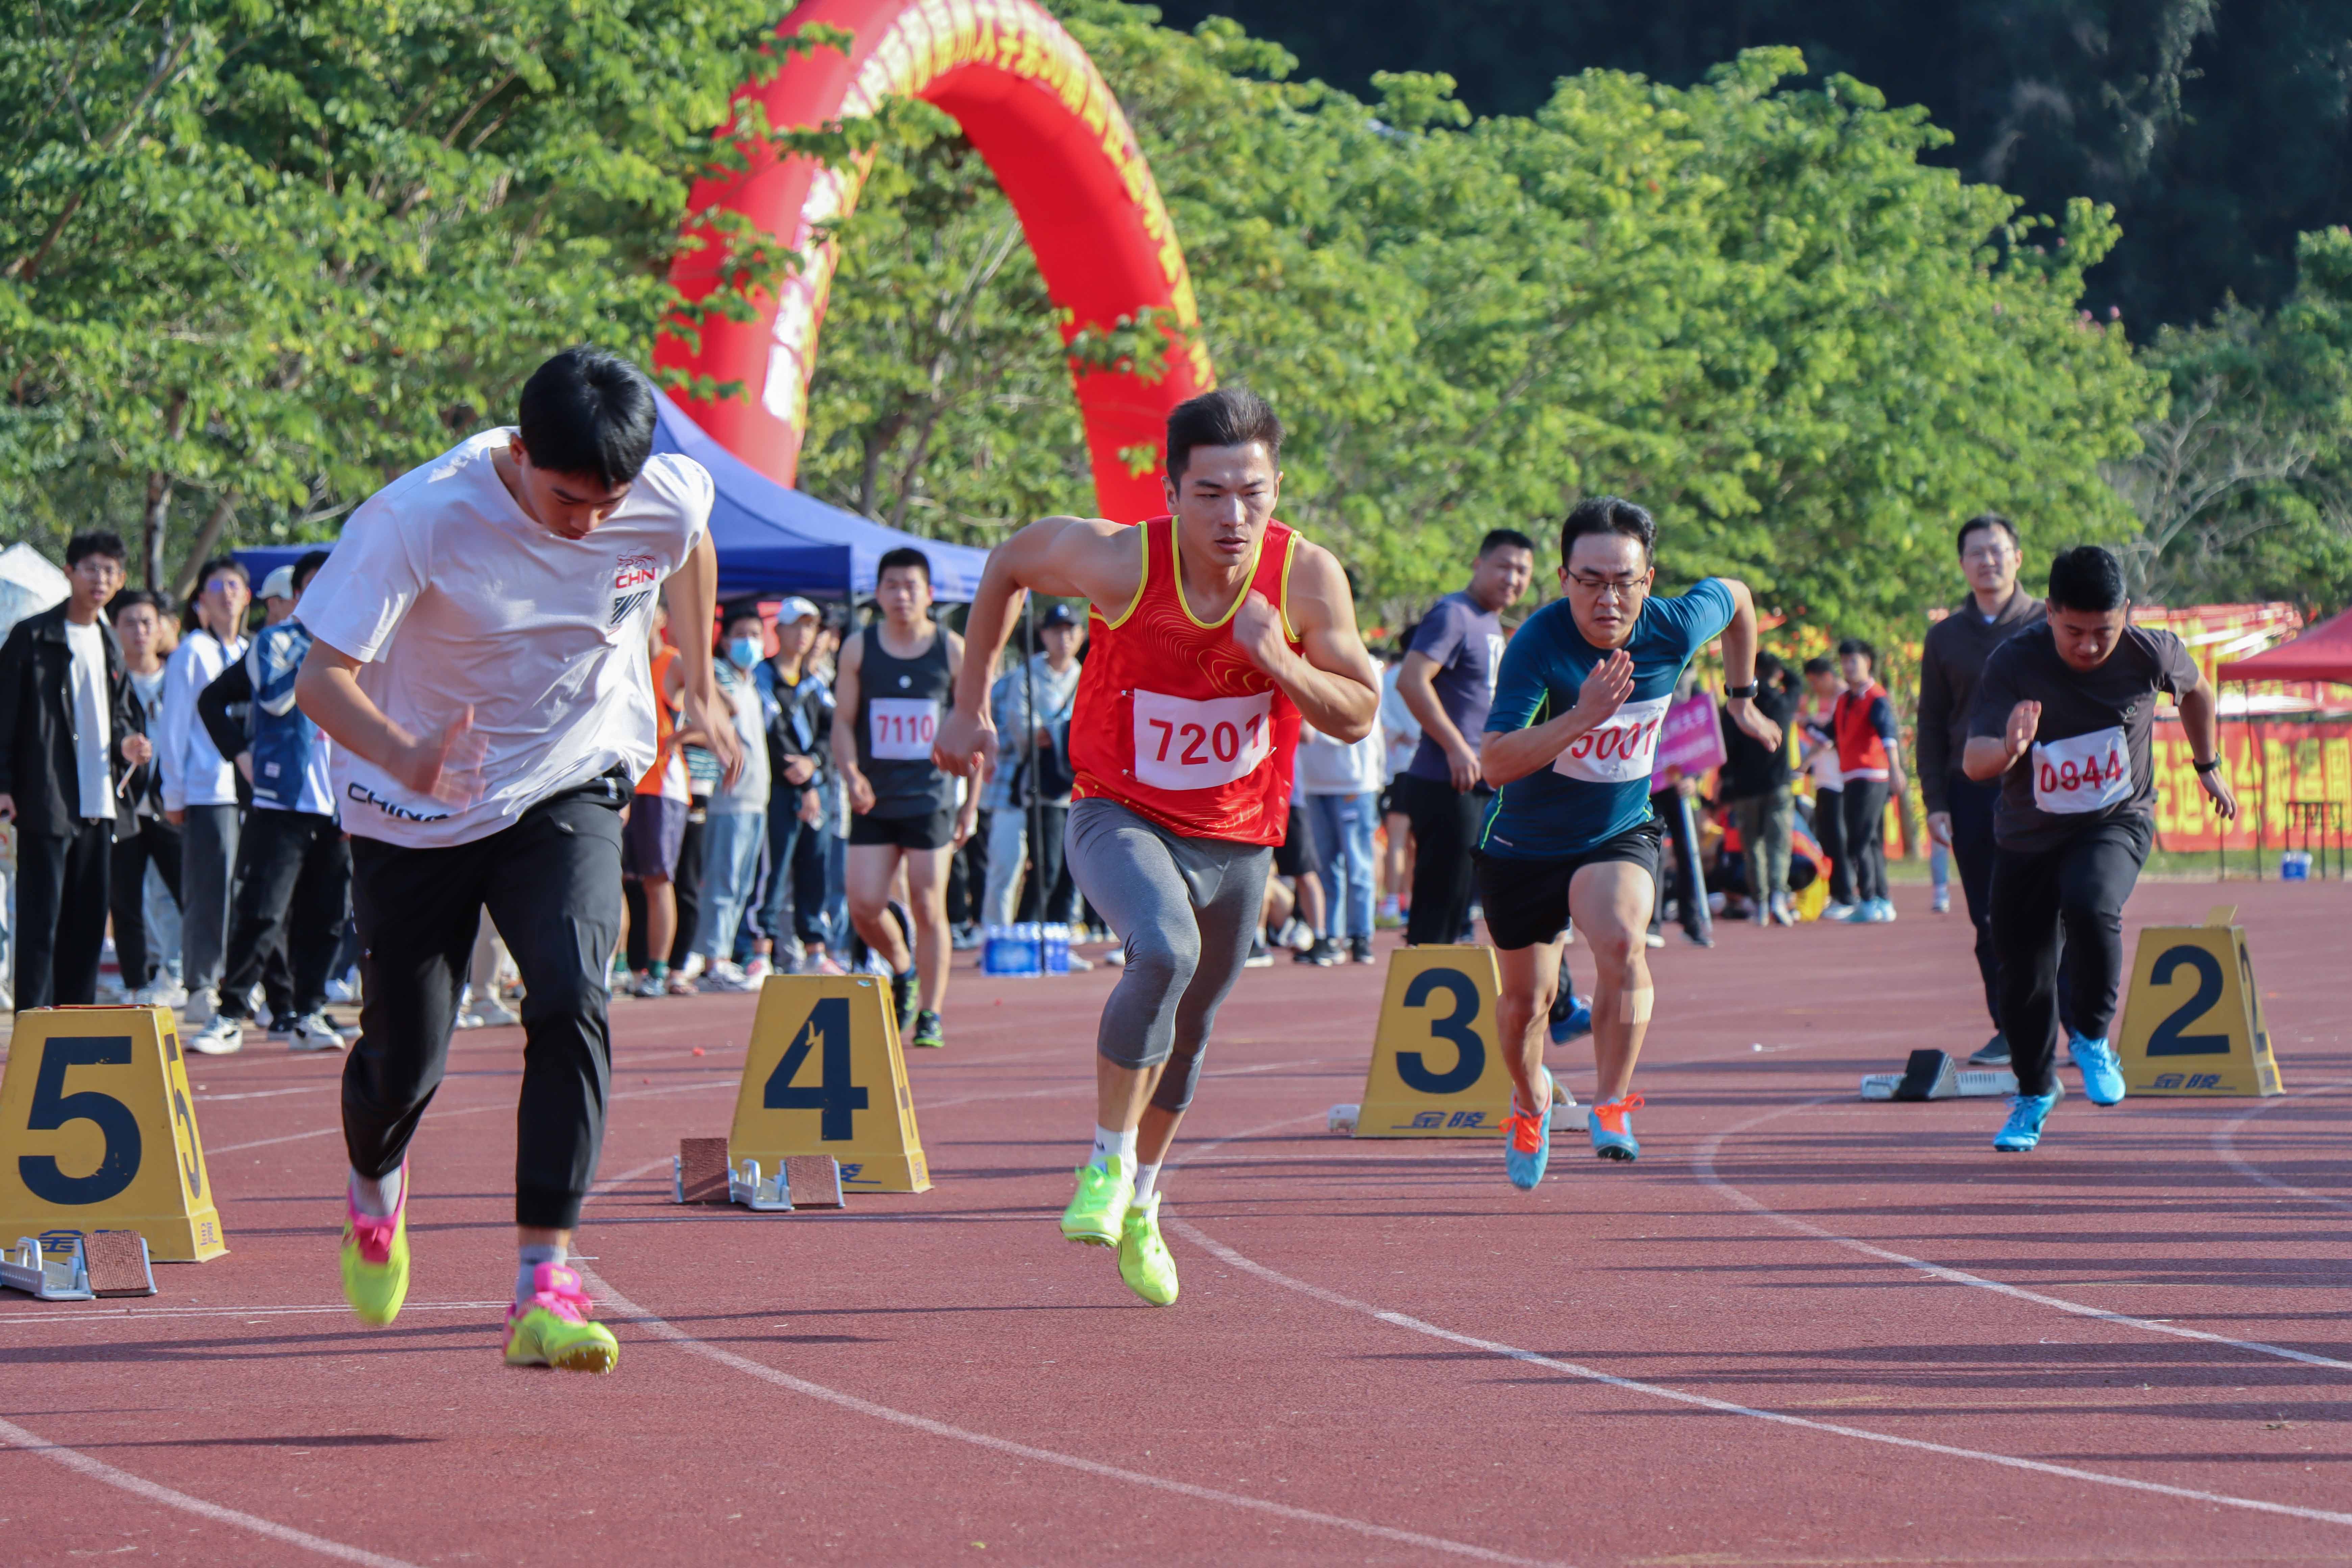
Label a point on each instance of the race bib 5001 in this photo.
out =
(1621, 748)
(902, 728)
(2083, 773)
(1183, 744)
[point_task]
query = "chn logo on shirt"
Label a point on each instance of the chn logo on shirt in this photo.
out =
(634, 578)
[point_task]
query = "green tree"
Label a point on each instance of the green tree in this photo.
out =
(259, 256)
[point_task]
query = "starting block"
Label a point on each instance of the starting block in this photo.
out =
(1932, 1075)
(67, 1265)
(700, 1175)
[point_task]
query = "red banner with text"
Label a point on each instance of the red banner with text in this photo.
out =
(2271, 763)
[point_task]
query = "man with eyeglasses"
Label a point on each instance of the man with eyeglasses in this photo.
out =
(1959, 809)
(1571, 742)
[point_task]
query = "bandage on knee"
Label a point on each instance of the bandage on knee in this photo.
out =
(1633, 1006)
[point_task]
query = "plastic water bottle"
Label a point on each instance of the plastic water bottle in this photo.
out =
(1003, 951)
(2295, 865)
(1057, 948)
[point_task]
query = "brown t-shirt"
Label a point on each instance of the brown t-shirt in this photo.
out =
(2091, 759)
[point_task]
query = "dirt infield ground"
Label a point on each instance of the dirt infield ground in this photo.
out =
(1802, 1330)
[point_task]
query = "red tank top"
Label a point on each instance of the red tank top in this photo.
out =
(1172, 720)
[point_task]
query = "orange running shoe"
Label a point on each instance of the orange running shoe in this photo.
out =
(1612, 1128)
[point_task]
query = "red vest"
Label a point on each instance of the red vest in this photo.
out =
(1172, 720)
(1861, 753)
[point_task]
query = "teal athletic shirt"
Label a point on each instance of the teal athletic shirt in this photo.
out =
(1599, 786)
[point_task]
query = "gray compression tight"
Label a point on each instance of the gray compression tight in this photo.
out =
(1186, 909)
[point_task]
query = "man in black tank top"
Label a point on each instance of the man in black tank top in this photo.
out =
(895, 682)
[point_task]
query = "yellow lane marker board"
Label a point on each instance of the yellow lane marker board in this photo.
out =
(1435, 1071)
(97, 1132)
(2193, 1018)
(824, 1075)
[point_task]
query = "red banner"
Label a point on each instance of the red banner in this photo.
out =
(2270, 764)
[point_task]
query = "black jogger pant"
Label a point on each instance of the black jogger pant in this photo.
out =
(1864, 804)
(1445, 822)
(159, 841)
(61, 913)
(2078, 890)
(552, 883)
(293, 882)
(1972, 805)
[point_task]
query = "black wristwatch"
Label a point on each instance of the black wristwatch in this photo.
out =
(2212, 767)
(1740, 694)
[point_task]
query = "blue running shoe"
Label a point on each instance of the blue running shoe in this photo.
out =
(2023, 1130)
(2103, 1075)
(1527, 1147)
(1611, 1126)
(1574, 1019)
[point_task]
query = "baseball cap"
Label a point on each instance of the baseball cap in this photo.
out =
(1059, 616)
(797, 609)
(278, 584)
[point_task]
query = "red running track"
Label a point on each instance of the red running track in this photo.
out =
(1803, 1329)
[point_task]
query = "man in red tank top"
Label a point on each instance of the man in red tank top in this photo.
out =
(1214, 631)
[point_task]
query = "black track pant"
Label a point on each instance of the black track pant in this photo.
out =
(61, 914)
(552, 884)
(1864, 805)
(293, 884)
(1446, 823)
(2079, 890)
(1972, 807)
(159, 841)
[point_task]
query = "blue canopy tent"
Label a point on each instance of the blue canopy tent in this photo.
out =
(772, 540)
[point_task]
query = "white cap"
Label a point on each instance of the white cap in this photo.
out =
(795, 609)
(279, 583)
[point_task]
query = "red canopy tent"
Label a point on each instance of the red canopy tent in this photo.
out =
(2323, 652)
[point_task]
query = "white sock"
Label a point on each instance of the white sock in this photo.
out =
(1147, 1182)
(530, 1258)
(1109, 1143)
(377, 1199)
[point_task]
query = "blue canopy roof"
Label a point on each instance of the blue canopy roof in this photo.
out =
(772, 540)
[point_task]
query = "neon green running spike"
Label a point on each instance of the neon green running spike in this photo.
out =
(1143, 1261)
(375, 1260)
(553, 1329)
(1104, 1193)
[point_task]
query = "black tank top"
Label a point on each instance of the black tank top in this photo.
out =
(900, 704)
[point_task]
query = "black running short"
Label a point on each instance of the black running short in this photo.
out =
(1526, 900)
(931, 830)
(1296, 855)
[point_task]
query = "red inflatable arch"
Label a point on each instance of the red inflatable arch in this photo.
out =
(1037, 109)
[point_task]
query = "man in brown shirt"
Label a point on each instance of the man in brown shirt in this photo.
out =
(1960, 811)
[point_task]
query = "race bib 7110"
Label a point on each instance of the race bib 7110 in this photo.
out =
(1181, 744)
(901, 729)
(2083, 773)
(1622, 747)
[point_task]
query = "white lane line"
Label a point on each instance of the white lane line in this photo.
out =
(270, 1093)
(1703, 1167)
(621, 1305)
(2223, 1145)
(154, 1491)
(1705, 1402)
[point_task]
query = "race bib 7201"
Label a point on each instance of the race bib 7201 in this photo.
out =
(1622, 747)
(1181, 744)
(2083, 773)
(901, 729)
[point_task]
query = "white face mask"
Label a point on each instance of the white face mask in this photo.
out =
(743, 652)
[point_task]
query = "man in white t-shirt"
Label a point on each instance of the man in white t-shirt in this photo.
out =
(481, 665)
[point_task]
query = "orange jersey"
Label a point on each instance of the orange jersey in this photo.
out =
(1172, 720)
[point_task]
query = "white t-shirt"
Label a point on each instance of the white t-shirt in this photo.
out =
(93, 720)
(450, 594)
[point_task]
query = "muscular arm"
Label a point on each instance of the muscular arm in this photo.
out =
(1415, 687)
(1066, 557)
(1740, 665)
(692, 597)
(1330, 677)
(2200, 719)
(846, 677)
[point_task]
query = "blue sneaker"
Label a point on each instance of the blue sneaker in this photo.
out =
(1527, 1147)
(1611, 1127)
(2103, 1075)
(1859, 914)
(1576, 1020)
(1882, 912)
(2023, 1130)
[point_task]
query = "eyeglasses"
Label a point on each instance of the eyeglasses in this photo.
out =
(1625, 589)
(1987, 553)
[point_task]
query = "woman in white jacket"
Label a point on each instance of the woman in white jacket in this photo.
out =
(199, 783)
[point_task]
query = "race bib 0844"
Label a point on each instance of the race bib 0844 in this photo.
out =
(902, 728)
(2083, 773)
(1183, 744)
(1623, 747)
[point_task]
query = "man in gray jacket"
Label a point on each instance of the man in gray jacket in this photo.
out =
(1959, 811)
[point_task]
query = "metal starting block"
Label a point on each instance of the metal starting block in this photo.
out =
(1933, 1074)
(799, 1181)
(49, 1267)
